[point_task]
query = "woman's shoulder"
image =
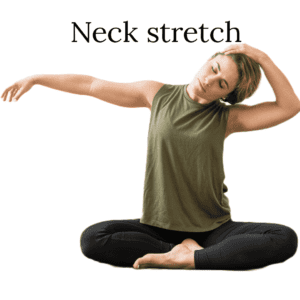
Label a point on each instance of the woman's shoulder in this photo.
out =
(151, 88)
(157, 90)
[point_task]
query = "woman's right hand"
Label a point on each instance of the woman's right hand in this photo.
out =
(18, 89)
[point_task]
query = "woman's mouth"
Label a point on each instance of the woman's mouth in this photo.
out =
(201, 85)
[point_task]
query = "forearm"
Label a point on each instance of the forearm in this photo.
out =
(285, 95)
(70, 83)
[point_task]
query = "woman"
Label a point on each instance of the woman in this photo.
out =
(186, 222)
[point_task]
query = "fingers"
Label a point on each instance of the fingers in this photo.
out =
(18, 94)
(230, 47)
(231, 50)
(11, 93)
(237, 48)
(10, 90)
(4, 95)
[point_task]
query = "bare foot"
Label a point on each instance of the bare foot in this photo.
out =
(191, 244)
(180, 257)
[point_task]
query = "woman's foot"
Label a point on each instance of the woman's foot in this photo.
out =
(180, 257)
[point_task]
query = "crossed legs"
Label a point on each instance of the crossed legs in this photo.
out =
(232, 246)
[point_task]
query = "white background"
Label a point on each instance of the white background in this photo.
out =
(69, 161)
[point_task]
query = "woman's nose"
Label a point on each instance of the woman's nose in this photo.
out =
(209, 80)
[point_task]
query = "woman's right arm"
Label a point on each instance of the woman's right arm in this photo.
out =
(136, 94)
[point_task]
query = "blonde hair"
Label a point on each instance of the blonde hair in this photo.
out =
(249, 78)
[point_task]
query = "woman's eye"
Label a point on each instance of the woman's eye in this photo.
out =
(213, 69)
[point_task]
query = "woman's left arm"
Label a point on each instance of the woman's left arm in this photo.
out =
(267, 114)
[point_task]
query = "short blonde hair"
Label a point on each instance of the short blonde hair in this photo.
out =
(249, 78)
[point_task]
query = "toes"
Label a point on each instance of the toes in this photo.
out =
(142, 261)
(149, 260)
(136, 263)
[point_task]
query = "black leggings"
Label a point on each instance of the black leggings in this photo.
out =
(232, 246)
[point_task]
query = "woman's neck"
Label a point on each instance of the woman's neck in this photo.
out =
(193, 95)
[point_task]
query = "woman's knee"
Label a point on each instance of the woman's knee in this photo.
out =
(90, 240)
(287, 241)
(95, 237)
(86, 241)
(291, 241)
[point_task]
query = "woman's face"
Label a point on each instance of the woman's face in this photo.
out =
(216, 79)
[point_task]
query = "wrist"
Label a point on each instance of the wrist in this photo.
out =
(263, 57)
(34, 79)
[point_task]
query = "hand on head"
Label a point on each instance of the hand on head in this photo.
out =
(252, 52)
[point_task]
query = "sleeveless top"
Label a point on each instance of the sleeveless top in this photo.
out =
(184, 189)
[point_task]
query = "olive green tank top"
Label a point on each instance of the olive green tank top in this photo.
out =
(184, 181)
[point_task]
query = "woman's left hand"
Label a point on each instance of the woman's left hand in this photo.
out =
(253, 53)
